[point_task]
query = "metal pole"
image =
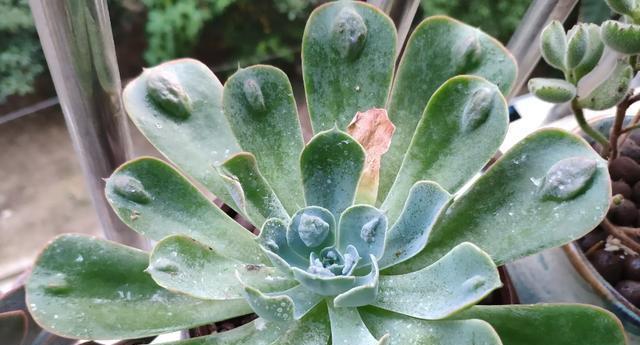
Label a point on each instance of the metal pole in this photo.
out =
(78, 45)
(525, 42)
(402, 13)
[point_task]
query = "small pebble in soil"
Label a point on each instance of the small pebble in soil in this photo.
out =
(635, 136)
(590, 239)
(630, 149)
(630, 290)
(635, 192)
(624, 214)
(626, 169)
(609, 264)
(632, 267)
(622, 188)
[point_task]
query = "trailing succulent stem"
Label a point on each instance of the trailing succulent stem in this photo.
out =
(356, 244)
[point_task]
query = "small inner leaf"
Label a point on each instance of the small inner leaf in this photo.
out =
(348, 33)
(477, 109)
(253, 94)
(312, 230)
(130, 188)
(568, 178)
(165, 90)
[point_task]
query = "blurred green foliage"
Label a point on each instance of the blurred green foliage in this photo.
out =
(21, 59)
(498, 18)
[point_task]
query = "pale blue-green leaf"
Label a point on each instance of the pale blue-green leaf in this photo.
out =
(259, 105)
(254, 195)
(595, 48)
(194, 140)
(88, 288)
(311, 229)
(408, 236)
(552, 90)
(347, 328)
(365, 292)
(365, 228)
(324, 285)
(621, 37)
(553, 44)
(348, 57)
(181, 264)
(507, 203)
(577, 45)
(611, 90)
(285, 306)
(438, 49)
(405, 330)
(157, 201)
(550, 324)
(331, 163)
(462, 127)
(459, 279)
(273, 239)
(257, 332)
(313, 329)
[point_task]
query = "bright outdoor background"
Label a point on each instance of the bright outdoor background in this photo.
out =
(42, 192)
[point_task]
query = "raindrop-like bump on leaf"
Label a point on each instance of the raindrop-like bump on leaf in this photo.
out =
(470, 51)
(253, 94)
(477, 109)
(474, 283)
(568, 178)
(368, 231)
(165, 90)
(313, 230)
(164, 265)
(348, 33)
(130, 188)
(58, 284)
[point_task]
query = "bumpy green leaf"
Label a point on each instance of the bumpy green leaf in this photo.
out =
(250, 190)
(87, 288)
(595, 48)
(409, 234)
(438, 49)
(312, 229)
(462, 127)
(259, 105)
(407, 330)
(13, 327)
(577, 46)
(194, 137)
(156, 201)
(507, 203)
(553, 44)
(552, 90)
(347, 328)
(366, 290)
(331, 165)
(365, 228)
(622, 37)
(348, 56)
(611, 90)
(181, 264)
(284, 306)
(459, 279)
(548, 324)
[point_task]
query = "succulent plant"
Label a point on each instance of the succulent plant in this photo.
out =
(356, 245)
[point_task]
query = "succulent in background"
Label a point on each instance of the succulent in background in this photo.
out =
(356, 245)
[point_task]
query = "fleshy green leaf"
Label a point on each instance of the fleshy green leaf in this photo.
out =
(194, 137)
(348, 56)
(347, 328)
(311, 229)
(438, 49)
(259, 105)
(331, 165)
(324, 285)
(273, 239)
(257, 332)
(13, 327)
(459, 279)
(365, 228)
(181, 264)
(611, 90)
(405, 330)
(284, 306)
(626, 7)
(595, 48)
(577, 46)
(88, 288)
(461, 129)
(622, 37)
(313, 329)
(157, 201)
(507, 203)
(552, 90)
(549, 324)
(250, 190)
(409, 234)
(553, 44)
(365, 292)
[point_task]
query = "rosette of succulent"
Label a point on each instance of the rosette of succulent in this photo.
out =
(366, 234)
